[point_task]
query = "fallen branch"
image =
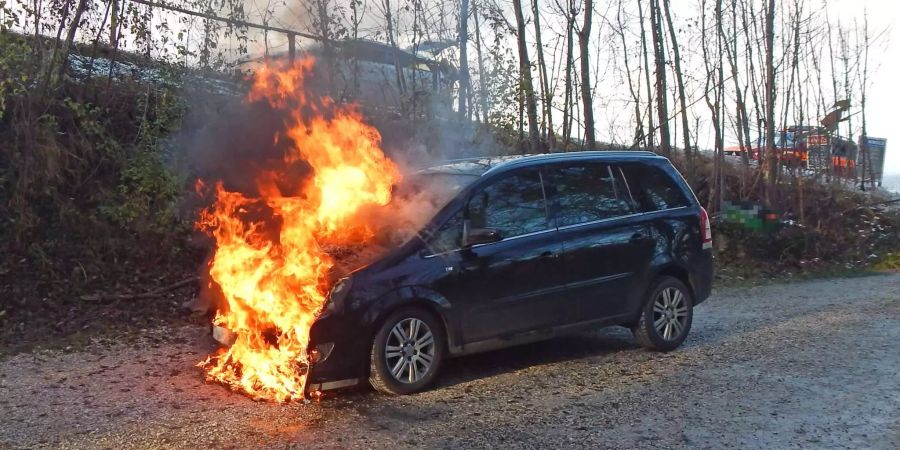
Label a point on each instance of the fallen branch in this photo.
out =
(141, 296)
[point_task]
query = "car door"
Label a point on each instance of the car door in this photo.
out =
(514, 285)
(606, 246)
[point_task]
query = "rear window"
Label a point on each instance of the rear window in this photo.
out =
(653, 189)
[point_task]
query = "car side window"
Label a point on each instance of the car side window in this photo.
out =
(449, 236)
(587, 193)
(514, 205)
(653, 189)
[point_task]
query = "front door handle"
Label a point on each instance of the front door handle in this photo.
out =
(469, 266)
(549, 256)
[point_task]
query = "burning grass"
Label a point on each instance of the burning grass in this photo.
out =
(270, 259)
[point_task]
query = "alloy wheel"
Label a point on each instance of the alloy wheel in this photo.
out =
(670, 314)
(409, 351)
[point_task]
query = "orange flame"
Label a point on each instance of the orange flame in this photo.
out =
(273, 272)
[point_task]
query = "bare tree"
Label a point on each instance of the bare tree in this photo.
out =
(463, 58)
(771, 156)
(547, 94)
(679, 79)
(635, 92)
(526, 86)
(660, 65)
(651, 129)
(713, 97)
(569, 12)
(741, 119)
(482, 73)
(863, 75)
(584, 37)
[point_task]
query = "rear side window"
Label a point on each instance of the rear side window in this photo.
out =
(514, 205)
(587, 193)
(654, 189)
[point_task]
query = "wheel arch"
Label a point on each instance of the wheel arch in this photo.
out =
(413, 296)
(677, 272)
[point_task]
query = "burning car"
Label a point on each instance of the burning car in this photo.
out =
(527, 249)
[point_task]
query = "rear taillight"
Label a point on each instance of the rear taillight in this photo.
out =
(705, 229)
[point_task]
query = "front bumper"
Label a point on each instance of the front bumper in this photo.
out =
(342, 353)
(347, 361)
(331, 385)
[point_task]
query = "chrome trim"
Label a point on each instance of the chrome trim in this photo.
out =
(598, 280)
(329, 385)
(634, 204)
(595, 222)
(544, 195)
(567, 227)
(533, 233)
(612, 178)
(627, 216)
(603, 156)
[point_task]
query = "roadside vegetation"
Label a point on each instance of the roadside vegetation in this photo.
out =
(97, 199)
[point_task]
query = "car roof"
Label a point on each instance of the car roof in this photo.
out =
(484, 165)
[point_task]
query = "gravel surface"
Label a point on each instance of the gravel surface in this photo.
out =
(812, 364)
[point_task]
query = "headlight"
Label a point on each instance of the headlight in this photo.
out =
(338, 296)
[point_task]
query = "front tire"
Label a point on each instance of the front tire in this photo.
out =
(406, 352)
(666, 315)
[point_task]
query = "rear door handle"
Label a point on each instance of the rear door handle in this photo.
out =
(639, 237)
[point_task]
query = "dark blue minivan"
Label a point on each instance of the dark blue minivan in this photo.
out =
(529, 248)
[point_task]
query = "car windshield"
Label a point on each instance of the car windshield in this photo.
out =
(440, 187)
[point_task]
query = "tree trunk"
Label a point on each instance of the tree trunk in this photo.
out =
(635, 93)
(770, 98)
(547, 94)
(679, 79)
(482, 88)
(660, 65)
(398, 69)
(70, 36)
(114, 24)
(526, 86)
(570, 66)
(741, 106)
(711, 88)
(651, 129)
(463, 58)
(584, 37)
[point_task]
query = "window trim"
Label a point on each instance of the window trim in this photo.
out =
(552, 219)
(612, 219)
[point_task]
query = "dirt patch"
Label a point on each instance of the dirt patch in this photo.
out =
(807, 364)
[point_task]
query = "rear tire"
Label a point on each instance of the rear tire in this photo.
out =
(407, 352)
(666, 315)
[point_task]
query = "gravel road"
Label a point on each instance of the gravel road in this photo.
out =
(808, 364)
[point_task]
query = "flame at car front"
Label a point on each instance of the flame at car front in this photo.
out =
(269, 260)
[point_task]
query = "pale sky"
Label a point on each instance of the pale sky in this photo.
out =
(883, 98)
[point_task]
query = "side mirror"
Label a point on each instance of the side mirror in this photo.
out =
(475, 236)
